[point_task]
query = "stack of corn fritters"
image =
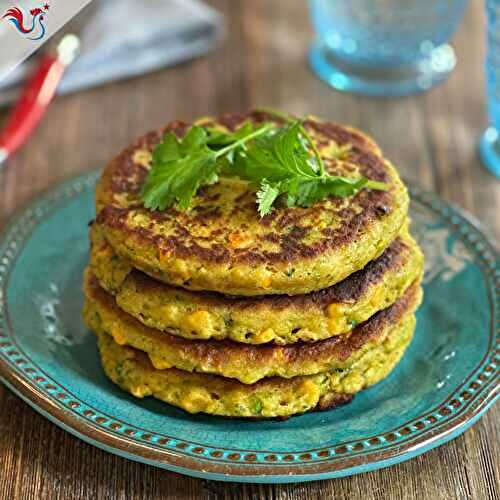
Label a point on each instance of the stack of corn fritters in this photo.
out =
(218, 310)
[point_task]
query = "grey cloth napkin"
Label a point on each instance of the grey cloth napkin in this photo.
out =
(125, 38)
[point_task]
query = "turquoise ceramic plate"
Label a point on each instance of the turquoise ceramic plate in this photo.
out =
(447, 380)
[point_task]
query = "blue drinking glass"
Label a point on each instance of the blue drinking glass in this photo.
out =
(384, 47)
(490, 142)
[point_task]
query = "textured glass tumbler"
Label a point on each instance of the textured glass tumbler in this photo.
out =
(490, 142)
(384, 47)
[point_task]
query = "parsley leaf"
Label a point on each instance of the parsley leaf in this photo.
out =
(181, 167)
(276, 156)
(267, 195)
(282, 161)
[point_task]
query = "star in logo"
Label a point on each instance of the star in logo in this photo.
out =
(46, 7)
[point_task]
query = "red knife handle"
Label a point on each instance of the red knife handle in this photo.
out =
(32, 104)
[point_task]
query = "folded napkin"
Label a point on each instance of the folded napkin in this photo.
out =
(124, 38)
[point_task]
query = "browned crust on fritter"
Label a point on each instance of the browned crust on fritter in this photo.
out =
(216, 352)
(124, 176)
(349, 290)
(326, 402)
(333, 400)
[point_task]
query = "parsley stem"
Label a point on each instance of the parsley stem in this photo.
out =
(243, 140)
(321, 165)
(377, 185)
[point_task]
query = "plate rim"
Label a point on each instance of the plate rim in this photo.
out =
(248, 468)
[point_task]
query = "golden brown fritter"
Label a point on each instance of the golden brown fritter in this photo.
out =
(247, 363)
(268, 398)
(221, 244)
(280, 319)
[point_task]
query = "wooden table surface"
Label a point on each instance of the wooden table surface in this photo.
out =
(431, 138)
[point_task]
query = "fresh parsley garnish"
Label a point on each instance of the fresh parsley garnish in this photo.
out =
(283, 162)
(180, 167)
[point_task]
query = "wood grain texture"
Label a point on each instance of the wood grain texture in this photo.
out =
(432, 138)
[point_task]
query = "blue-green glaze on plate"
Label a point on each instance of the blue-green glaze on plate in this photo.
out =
(448, 378)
